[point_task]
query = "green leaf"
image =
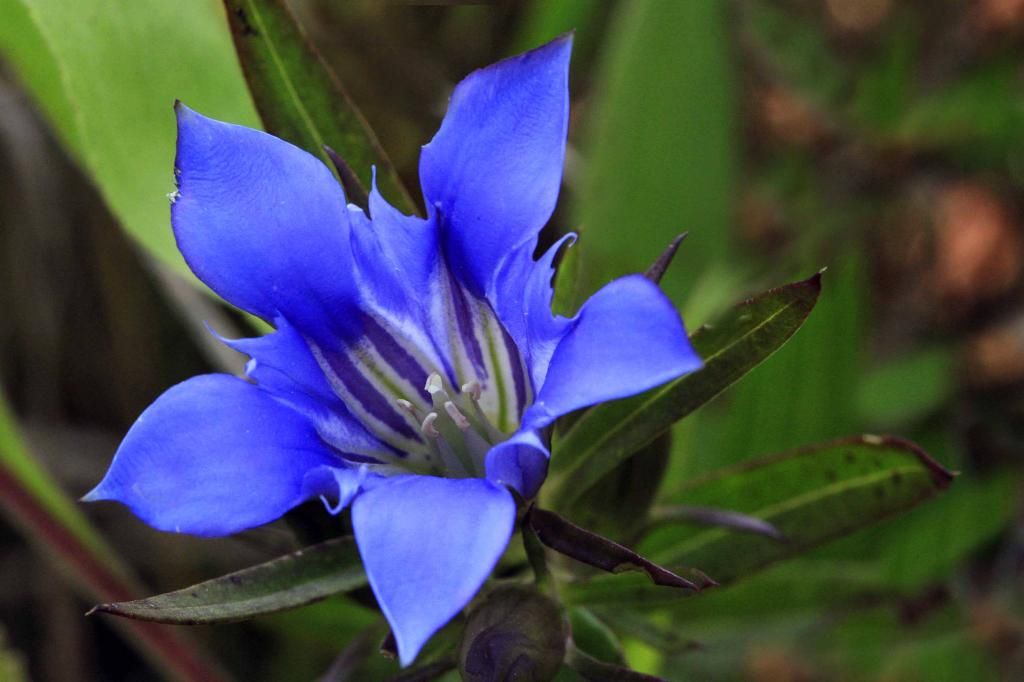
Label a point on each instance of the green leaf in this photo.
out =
(660, 145)
(594, 637)
(907, 389)
(608, 434)
(106, 76)
(801, 394)
(811, 495)
(301, 100)
(290, 581)
(566, 282)
(45, 515)
(929, 543)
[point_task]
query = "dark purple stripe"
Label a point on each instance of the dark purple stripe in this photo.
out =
(399, 359)
(464, 324)
(514, 359)
(356, 458)
(368, 396)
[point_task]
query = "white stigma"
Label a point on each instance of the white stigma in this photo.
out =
(434, 384)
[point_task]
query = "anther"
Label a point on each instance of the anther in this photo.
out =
(434, 384)
(457, 417)
(474, 389)
(405, 405)
(428, 427)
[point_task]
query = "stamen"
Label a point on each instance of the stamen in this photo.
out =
(428, 427)
(482, 423)
(474, 389)
(453, 460)
(457, 417)
(405, 405)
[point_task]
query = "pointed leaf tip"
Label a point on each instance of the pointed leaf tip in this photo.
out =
(661, 264)
(299, 98)
(355, 192)
(290, 581)
(565, 537)
(608, 434)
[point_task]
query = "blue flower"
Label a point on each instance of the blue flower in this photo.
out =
(415, 365)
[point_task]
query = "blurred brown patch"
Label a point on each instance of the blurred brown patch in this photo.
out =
(977, 246)
(773, 664)
(997, 630)
(762, 223)
(858, 16)
(995, 356)
(1000, 15)
(787, 117)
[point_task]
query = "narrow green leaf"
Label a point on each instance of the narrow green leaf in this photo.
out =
(301, 100)
(608, 434)
(106, 75)
(660, 144)
(566, 281)
(46, 516)
(290, 581)
(908, 388)
(811, 495)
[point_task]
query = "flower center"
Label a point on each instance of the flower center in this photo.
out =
(456, 430)
(435, 389)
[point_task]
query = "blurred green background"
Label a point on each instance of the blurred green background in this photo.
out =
(882, 139)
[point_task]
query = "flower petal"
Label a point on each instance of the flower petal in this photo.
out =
(521, 462)
(626, 339)
(212, 456)
(262, 222)
(407, 246)
(283, 365)
(494, 168)
(428, 544)
(339, 484)
(522, 298)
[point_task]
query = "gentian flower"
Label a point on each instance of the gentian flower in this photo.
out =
(415, 365)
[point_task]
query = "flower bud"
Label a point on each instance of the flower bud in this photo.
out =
(517, 633)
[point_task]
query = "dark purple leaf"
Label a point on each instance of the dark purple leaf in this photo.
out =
(565, 537)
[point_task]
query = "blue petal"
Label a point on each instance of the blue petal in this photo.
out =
(339, 484)
(407, 245)
(626, 339)
(428, 544)
(212, 456)
(283, 365)
(263, 223)
(522, 298)
(494, 168)
(521, 462)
